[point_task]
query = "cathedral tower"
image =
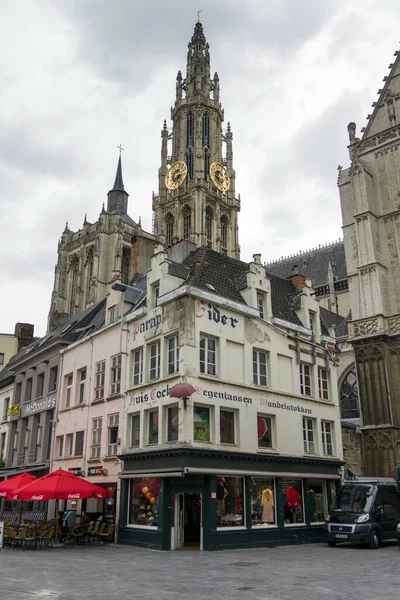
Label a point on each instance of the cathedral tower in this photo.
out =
(370, 200)
(92, 258)
(196, 198)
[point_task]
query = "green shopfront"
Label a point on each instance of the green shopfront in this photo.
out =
(216, 499)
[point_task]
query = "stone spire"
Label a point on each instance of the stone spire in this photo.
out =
(117, 197)
(198, 65)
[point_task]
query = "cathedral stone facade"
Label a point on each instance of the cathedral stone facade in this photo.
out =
(370, 202)
(92, 258)
(196, 199)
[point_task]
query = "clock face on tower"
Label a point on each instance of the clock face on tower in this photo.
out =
(176, 175)
(219, 176)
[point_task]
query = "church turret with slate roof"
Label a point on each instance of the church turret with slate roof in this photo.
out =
(115, 247)
(196, 197)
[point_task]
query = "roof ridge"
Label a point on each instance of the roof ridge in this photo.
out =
(302, 252)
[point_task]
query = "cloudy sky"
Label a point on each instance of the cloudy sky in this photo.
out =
(80, 76)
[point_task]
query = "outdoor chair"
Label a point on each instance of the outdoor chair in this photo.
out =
(9, 536)
(47, 537)
(97, 530)
(24, 538)
(106, 534)
(77, 536)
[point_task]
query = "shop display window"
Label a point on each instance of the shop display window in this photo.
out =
(201, 424)
(264, 431)
(230, 501)
(144, 502)
(227, 426)
(172, 423)
(316, 500)
(262, 502)
(293, 501)
(152, 427)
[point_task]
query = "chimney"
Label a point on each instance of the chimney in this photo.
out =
(24, 334)
(257, 259)
(298, 280)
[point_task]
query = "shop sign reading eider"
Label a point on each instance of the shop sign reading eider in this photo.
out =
(214, 314)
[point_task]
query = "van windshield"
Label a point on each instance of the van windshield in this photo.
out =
(354, 499)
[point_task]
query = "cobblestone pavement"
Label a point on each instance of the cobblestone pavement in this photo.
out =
(118, 572)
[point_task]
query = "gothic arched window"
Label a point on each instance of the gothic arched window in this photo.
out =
(206, 130)
(169, 229)
(208, 223)
(189, 130)
(125, 264)
(349, 396)
(189, 163)
(74, 296)
(89, 269)
(187, 222)
(206, 164)
(224, 234)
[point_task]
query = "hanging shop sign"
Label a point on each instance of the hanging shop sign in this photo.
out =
(14, 411)
(148, 325)
(286, 406)
(75, 470)
(214, 314)
(94, 471)
(41, 405)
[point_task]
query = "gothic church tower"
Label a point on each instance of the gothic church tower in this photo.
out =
(92, 258)
(370, 200)
(196, 198)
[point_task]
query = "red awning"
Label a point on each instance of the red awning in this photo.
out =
(61, 485)
(10, 485)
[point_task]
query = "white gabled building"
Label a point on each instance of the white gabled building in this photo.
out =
(253, 456)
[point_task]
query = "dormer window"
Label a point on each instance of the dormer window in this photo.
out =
(112, 314)
(155, 292)
(260, 304)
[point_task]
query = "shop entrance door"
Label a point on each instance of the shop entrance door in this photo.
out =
(187, 523)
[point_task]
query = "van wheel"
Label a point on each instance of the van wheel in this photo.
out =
(374, 540)
(333, 544)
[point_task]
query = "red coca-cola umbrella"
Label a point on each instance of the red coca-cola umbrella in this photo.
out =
(20, 480)
(61, 485)
(182, 390)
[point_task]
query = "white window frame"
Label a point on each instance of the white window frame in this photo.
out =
(172, 354)
(323, 378)
(60, 446)
(167, 411)
(148, 413)
(83, 442)
(235, 420)
(69, 444)
(305, 379)
(327, 428)
(112, 314)
(97, 432)
(68, 390)
(100, 377)
(112, 424)
(82, 386)
(272, 419)
(309, 437)
(137, 366)
(260, 305)
(115, 374)
(132, 417)
(154, 361)
(206, 365)
(258, 377)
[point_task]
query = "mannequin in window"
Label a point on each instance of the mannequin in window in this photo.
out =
(267, 502)
(293, 501)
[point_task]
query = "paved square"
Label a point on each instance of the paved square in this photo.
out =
(118, 572)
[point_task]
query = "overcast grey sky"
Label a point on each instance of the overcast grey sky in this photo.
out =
(80, 76)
